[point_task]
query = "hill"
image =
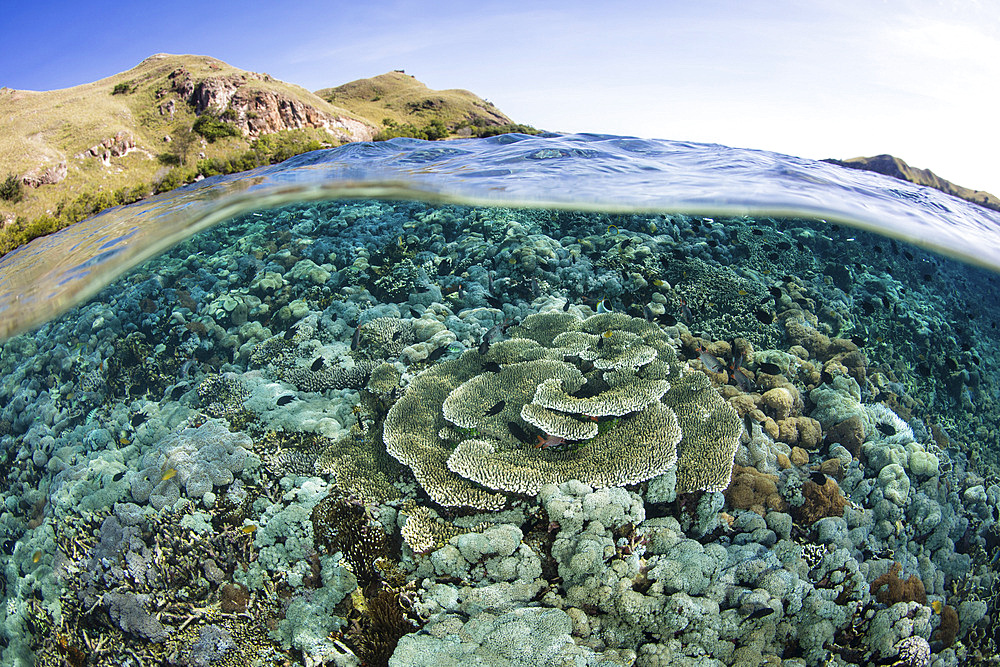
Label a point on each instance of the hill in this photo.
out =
(67, 154)
(897, 168)
(402, 99)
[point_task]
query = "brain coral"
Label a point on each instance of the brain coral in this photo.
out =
(602, 400)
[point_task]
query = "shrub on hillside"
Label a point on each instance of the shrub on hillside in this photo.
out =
(121, 88)
(213, 128)
(11, 189)
(494, 130)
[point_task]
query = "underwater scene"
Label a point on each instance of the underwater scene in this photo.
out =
(361, 429)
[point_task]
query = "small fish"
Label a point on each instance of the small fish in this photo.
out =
(736, 371)
(414, 313)
(770, 369)
(396, 336)
(118, 476)
(647, 314)
(285, 400)
(818, 478)
(123, 441)
(356, 339)
(710, 361)
(686, 314)
(453, 289)
(437, 353)
(37, 556)
(775, 292)
(658, 283)
(491, 367)
(317, 364)
(742, 292)
(496, 409)
(886, 429)
(177, 392)
(495, 302)
(138, 419)
(858, 340)
(763, 316)
(763, 612)
(169, 473)
(566, 306)
(249, 529)
(289, 334)
(937, 605)
(549, 441)
(603, 306)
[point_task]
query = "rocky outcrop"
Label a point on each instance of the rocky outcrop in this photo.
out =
(120, 145)
(40, 176)
(256, 111)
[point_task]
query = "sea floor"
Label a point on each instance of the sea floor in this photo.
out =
(369, 432)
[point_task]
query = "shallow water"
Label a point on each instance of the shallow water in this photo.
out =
(320, 427)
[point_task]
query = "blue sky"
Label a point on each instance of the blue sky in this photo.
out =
(915, 78)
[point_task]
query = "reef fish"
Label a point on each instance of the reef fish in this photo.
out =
(317, 364)
(494, 331)
(736, 371)
(356, 339)
(496, 409)
(436, 354)
(710, 361)
(603, 306)
(763, 612)
(770, 369)
(285, 400)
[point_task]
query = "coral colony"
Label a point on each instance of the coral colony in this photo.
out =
(370, 433)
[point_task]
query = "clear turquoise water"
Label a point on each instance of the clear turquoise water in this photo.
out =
(229, 401)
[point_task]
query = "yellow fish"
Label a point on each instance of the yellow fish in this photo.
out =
(37, 557)
(169, 473)
(249, 529)
(936, 606)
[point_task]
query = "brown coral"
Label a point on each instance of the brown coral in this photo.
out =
(821, 501)
(753, 490)
(898, 590)
(850, 433)
(947, 632)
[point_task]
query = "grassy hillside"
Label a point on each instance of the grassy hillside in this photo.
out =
(402, 99)
(43, 129)
(893, 166)
(68, 154)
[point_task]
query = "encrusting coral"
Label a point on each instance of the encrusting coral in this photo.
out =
(613, 404)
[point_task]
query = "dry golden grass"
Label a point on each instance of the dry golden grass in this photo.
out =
(402, 98)
(42, 129)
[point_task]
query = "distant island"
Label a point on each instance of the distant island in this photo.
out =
(893, 166)
(173, 119)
